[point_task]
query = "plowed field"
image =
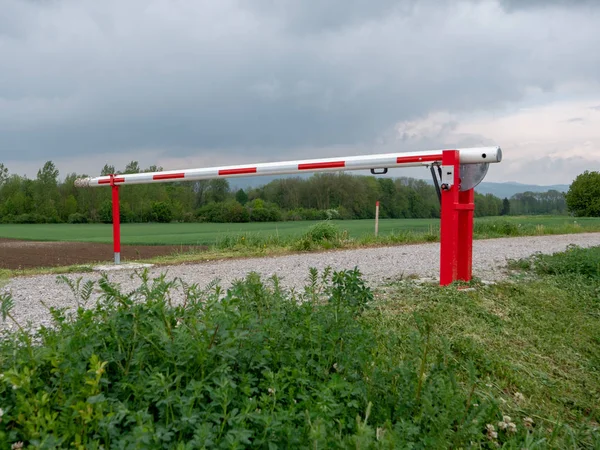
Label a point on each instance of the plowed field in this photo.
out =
(17, 254)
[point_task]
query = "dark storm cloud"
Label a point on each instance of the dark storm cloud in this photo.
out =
(87, 77)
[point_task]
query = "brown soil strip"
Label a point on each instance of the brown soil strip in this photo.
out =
(16, 254)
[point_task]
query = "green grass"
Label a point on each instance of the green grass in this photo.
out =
(333, 365)
(195, 233)
(209, 234)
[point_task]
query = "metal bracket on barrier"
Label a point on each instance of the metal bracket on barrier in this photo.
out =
(433, 168)
(383, 171)
(447, 177)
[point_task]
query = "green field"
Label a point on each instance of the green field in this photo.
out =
(209, 233)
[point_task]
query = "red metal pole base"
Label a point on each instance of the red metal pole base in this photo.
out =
(466, 207)
(456, 237)
(116, 221)
(449, 217)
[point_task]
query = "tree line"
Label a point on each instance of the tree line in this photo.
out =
(47, 199)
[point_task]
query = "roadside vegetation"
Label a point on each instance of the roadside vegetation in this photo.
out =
(335, 365)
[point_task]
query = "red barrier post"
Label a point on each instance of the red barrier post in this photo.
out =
(116, 220)
(466, 205)
(449, 217)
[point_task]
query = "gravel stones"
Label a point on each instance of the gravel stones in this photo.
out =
(378, 265)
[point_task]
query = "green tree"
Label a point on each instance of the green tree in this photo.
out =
(70, 207)
(241, 197)
(200, 189)
(3, 174)
(583, 197)
(132, 167)
(105, 212)
(48, 174)
(505, 207)
(46, 195)
(218, 190)
(107, 170)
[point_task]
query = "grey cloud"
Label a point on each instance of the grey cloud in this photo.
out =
(575, 120)
(305, 16)
(86, 77)
(516, 5)
(543, 171)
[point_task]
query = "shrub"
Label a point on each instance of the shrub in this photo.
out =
(324, 235)
(188, 217)
(33, 218)
(261, 211)
(161, 212)
(234, 211)
(306, 214)
(225, 212)
(324, 231)
(77, 218)
(255, 366)
(574, 261)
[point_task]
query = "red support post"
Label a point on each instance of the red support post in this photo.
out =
(116, 220)
(449, 217)
(466, 207)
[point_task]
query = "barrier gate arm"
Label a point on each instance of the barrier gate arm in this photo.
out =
(456, 205)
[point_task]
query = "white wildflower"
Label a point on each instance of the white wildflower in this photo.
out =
(502, 425)
(17, 445)
(512, 427)
(506, 419)
(528, 421)
(519, 397)
(491, 433)
(271, 391)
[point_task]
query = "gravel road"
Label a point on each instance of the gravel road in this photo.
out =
(377, 265)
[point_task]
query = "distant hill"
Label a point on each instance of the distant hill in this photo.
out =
(510, 188)
(501, 190)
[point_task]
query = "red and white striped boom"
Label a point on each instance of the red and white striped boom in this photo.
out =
(381, 161)
(457, 205)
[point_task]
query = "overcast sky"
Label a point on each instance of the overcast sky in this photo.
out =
(191, 83)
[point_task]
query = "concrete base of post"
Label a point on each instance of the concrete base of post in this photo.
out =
(117, 258)
(121, 267)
